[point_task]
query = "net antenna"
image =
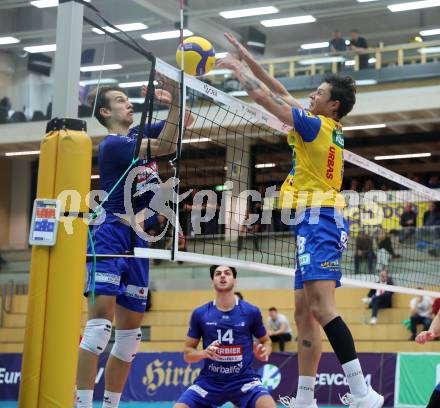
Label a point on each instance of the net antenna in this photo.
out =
(176, 161)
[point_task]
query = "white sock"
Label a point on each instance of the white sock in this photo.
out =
(111, 399)
(306, 390)
(355, 378)
(84, 398)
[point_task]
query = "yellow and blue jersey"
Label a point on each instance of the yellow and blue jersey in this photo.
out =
(317, 144)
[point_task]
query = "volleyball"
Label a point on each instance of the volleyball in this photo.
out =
(199, 56)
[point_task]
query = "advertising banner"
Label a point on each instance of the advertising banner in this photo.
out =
(164, 376)
(10, 366)
(416, 376)
(280, 376)
(384, 215)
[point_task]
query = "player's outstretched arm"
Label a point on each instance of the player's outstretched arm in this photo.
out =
(258, 91)
(263, 349)
(166, 143)
(192, 355)
(274, 85)
(432, 333)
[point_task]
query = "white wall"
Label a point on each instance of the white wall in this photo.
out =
(30, 90)
(20, 207)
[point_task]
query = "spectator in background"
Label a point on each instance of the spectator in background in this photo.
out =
(416, 178)
(434, 181)
(379, 298)
(257, 209)
(364, 250)
(368, 186)
(430, 232)
(245, 228)
(355, 185)
(195, 210)
(337, 43)
(384, 186)
(431, 217)
(408, 222)
(421, 313)
(358, 43)
(279, 328)
(384, 250)
(5, 109)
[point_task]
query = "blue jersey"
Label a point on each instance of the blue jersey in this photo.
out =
(115, 155)
(234, 330)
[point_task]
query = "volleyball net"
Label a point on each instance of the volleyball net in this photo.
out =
(220, 184)
(231, 163)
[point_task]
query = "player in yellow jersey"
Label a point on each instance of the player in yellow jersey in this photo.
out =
(321, 233)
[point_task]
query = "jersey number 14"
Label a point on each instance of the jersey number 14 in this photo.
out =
(227, 336)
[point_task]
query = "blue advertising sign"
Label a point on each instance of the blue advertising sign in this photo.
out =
(165, 376)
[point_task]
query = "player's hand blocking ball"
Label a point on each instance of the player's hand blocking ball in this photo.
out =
(229, 62)
(241, 51)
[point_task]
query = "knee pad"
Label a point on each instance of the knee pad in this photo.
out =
(96, 335)
(126, 344)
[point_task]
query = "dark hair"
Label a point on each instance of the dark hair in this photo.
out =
(103, 102)
(273, 309)
(344, 91)
(355, 30)
(212, 269)
(239, 295)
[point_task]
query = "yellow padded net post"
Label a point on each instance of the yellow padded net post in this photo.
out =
(57, 273)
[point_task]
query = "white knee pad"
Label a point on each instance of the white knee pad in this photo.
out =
(96, 335)
(126, 344)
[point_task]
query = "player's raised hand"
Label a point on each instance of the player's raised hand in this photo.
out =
(167, 84)
(242, 52)
(260, 352)
(161, 95)
(229, 62)
(425, 336)
(211, 350)
(189, 119)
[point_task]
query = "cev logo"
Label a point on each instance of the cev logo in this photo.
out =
(270, 376)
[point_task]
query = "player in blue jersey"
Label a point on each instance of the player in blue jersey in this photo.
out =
(121, 286)
(432, 333)
(321, 234)
(226, 326)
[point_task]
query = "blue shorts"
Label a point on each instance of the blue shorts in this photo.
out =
(125, 278)
(206, 393)
(319, 247)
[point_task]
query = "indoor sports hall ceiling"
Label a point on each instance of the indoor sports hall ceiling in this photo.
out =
(36, 26)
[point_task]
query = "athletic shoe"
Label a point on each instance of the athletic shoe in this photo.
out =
(373, 320)
(371, 400)
(366, 300)
(290, 402)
